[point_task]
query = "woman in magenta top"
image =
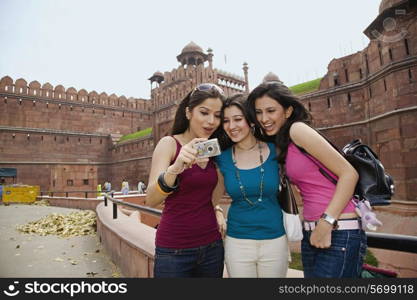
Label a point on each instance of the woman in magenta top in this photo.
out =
(188, 238)
(334, 243)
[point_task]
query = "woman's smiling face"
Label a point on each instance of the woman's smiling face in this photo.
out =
(270, 114)
(235, 124)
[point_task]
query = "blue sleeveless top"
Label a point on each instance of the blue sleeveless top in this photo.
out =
(262, 220)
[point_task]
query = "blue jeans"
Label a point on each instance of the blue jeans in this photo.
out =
(203, 261)
(343, 259)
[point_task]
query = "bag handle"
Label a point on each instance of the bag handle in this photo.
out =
(290, 205)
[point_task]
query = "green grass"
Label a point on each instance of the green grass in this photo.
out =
(306, 87)
(297, 264)
(296, 261)
(370, 259)
(136, 135)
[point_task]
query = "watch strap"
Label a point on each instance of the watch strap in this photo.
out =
(329, 219)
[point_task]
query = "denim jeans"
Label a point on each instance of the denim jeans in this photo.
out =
(343, 259)
(203, 261)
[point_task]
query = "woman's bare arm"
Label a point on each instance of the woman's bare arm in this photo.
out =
(161, 159)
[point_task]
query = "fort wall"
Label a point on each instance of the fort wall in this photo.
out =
(31, 106)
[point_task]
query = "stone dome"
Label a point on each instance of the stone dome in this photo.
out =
(192, 54)
(192, 47)
(157, 73)
(271, 77)
(385, 4)
(157, 76)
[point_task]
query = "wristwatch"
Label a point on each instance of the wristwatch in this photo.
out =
(329, 219)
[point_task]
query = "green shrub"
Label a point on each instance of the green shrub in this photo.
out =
(296, 262)
(370, 259)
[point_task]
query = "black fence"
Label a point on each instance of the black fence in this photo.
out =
(67, 193)
(115, 202)
(397, 242)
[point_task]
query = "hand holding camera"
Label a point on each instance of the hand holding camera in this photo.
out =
(208, 148)
(186, 158)
(198, 150)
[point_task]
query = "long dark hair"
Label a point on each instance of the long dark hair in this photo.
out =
(282, 94)
(193, 99)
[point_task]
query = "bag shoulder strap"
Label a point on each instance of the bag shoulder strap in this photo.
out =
(321, 170)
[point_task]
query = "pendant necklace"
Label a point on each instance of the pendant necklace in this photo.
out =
(261, 184)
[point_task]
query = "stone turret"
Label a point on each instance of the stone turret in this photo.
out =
(271, 77)
(245, 72)
(192, 55)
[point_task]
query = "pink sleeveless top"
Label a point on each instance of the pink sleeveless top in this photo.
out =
(317, 191)
(188, 219)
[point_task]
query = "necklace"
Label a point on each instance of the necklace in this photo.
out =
(249, 149)
(261, 184)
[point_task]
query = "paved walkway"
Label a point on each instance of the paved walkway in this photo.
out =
(35, 256)
(24, 255)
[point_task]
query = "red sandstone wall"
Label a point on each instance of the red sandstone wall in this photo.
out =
(47, 147)
(50, 160)
(42, 157)
(366, 101)
(41, 114)
(131, 160)
(35, 107)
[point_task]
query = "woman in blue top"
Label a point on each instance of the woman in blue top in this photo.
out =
(255, 243)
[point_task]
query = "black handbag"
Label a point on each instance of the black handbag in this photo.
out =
(286, 198)
(374, 183)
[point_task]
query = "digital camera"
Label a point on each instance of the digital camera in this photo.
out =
(207, 148)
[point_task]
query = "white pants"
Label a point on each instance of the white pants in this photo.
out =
(256, 258)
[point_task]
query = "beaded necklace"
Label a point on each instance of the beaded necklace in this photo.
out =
(261, 185)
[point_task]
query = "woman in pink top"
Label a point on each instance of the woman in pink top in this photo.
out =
(188, 239)
(334, 243)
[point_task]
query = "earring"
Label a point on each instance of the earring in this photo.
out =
(187, 113)
(252, 129)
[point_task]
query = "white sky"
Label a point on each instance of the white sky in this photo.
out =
(115, 46)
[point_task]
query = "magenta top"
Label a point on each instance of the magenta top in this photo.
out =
(188, 219)
(316, 190)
